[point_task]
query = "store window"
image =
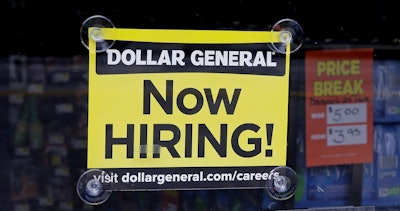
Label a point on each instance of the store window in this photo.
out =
(337, 117)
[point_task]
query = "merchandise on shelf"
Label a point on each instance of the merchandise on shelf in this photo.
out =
(322, 186)
(386, 91)
(381, 179)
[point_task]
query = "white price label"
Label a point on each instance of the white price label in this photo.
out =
(346, 135)
(346, 113)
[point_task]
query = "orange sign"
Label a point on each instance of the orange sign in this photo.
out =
(339, 108)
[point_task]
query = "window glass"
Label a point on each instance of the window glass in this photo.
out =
(343, 123)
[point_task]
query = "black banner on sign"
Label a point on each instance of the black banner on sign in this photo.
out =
(134, 57)
(185, 178)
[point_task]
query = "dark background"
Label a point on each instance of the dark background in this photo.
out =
(48, 27)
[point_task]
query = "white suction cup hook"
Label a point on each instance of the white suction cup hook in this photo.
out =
(97, 22)
(290, 32)
(90, 190)
(283, 185)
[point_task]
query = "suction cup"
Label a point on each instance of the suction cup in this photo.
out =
(291, 32)
(283, 186)
(97, 22)
(91, 190)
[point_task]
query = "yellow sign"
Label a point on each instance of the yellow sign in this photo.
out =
(187, 98)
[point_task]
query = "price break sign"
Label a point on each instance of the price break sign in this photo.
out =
(209, 107)
(339, 108)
